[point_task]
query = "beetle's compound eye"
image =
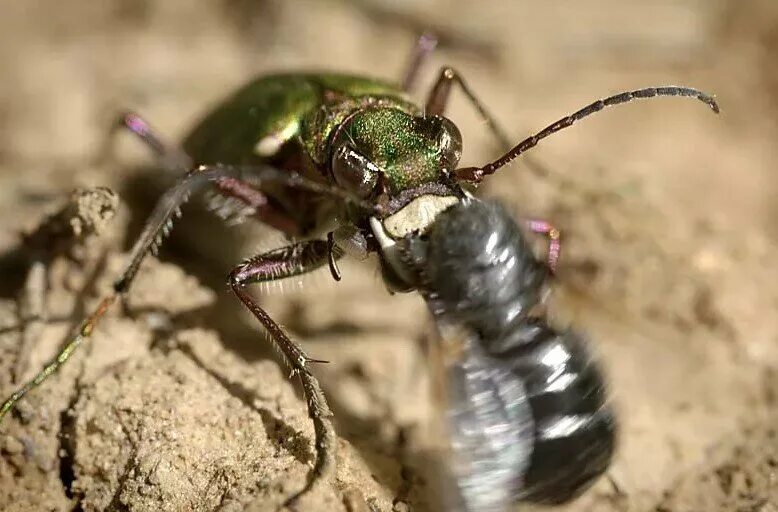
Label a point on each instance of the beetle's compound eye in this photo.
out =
(354, 172)
(449, 141)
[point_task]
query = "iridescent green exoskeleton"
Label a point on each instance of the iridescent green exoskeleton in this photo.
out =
(345, 164)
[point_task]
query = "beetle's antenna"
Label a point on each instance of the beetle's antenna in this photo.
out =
(476, 174)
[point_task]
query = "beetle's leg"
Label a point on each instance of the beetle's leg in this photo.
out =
(290, 261)
(236, 199)
(161, 219)
(421, 51)
(165, 151)
(170, 155)
(554, 243)
(438, 99)
(159, 222)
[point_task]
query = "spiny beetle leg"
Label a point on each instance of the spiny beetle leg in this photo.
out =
(438, 99)
(249, 201)
(168, 207)
(439, 95)
(160, 222)
(421, 51)
(554, 243)
(86, 329)
(290, 261)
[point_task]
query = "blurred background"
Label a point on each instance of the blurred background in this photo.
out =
(667, 211)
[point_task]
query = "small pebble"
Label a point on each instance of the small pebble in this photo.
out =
(12, 445)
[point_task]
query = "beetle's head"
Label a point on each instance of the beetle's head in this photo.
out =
(385, 151)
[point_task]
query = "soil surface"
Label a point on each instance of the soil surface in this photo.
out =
(177, 403)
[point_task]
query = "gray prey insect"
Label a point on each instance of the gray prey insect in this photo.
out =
(347, 165)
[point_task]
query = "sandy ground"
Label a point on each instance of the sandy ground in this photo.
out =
(177, 404)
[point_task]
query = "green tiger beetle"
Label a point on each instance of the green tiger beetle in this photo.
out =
(347, 165)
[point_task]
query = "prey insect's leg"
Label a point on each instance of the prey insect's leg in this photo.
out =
(554, 243)
(421, 51)
(290, 261)
(438, 99)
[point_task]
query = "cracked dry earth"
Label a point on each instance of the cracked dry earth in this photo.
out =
(176, 403)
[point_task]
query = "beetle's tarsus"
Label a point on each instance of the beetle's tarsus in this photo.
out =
(332, 257)
(325, 437)
(86, 329)
(420, 54)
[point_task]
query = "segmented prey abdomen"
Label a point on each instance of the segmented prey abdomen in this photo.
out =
(574, 425)
(489, 426)
(528, 424)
